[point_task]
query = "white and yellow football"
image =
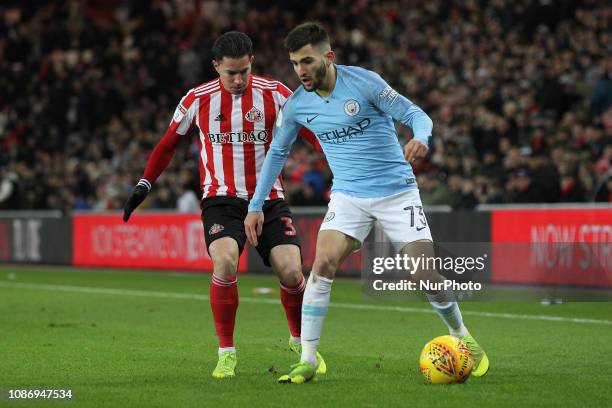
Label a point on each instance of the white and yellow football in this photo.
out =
(446, 360)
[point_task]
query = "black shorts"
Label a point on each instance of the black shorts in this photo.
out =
(224, 217)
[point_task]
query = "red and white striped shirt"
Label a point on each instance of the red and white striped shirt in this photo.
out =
(234, 135)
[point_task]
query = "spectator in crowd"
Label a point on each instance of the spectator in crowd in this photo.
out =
(9, 193)
(187, 201)
(603, 193)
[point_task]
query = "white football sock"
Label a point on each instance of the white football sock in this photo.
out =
(314, 310)
(224, 349)
(449, 312)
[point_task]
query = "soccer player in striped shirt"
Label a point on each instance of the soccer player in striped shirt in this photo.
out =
(234, 115)
(351, 111)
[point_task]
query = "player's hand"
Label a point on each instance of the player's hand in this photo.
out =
(253, 225)
(415, 149)
(139, 193)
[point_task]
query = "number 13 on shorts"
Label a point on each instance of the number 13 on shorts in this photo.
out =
(422, 221)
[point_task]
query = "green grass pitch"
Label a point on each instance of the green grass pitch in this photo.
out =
(138, 338)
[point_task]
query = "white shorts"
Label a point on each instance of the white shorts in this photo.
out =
(401, 217)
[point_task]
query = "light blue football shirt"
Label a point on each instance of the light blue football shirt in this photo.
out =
(355, 128)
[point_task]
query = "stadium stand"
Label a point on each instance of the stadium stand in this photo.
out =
(519, 91)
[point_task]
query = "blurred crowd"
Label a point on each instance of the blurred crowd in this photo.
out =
(519, 91)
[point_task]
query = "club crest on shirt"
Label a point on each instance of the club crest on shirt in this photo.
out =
(351, 107)
(254, 115)
(215, 229)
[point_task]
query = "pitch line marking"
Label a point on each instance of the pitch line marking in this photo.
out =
(247, 299)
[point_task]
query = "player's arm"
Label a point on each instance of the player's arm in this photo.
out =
(160, 157)
(400, 108)
(284, 132)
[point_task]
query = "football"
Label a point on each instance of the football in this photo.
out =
(446, 360)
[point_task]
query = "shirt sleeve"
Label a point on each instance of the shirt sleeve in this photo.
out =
(184, 114)
(400, 108)
(182, 121)
(283, 135)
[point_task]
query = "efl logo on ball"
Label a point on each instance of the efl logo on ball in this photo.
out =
(446, 360)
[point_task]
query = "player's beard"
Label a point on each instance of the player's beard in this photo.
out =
(319, 77)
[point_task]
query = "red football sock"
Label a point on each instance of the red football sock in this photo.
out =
(291, 298)
(224, 303)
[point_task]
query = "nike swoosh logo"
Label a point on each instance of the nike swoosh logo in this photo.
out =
(419, 229)
(308, 120)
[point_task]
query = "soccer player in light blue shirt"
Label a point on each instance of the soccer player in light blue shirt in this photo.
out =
(354, 125)
(351, 111)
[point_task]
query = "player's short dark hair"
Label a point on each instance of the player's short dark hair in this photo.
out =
(311, 33)
(232, 44)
